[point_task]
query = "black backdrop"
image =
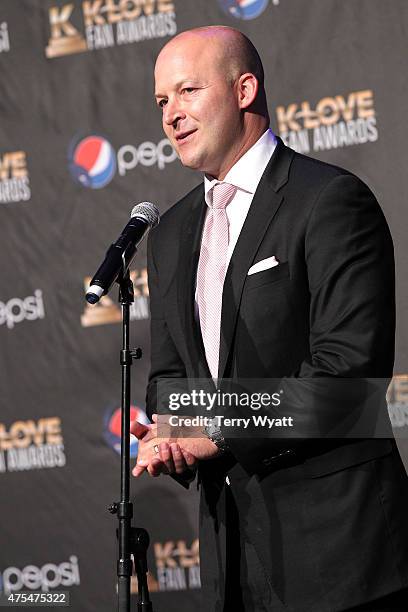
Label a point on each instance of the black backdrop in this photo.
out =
(80, 144)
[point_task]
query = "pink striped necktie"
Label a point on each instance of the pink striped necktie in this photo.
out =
(212, 267)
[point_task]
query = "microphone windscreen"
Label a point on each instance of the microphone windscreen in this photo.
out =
(146, 211)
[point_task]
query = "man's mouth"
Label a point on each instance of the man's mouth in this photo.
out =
(183, 136)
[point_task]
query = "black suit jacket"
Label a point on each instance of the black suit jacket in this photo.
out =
(327, 517)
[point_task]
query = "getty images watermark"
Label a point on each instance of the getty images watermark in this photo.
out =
(206, 400)
(278, 408)
(209, 401)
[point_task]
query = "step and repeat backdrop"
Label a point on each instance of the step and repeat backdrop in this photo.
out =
(80, 144)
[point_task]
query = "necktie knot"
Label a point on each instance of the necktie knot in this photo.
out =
(222, 194)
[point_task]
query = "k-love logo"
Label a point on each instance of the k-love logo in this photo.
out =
(177, 567)
(336, 121)
(106, 311)
(4, 38)
(397, 399)
(14, 177)
(245, 9)
(31, 445)
(93, 161)
(108, 23)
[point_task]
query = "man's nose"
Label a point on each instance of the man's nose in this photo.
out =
(172, 113)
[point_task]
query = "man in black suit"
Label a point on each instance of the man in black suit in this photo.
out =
(289, 522)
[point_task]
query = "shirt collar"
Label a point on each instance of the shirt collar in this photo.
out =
(246, 173)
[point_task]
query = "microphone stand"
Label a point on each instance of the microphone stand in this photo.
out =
(131, 540)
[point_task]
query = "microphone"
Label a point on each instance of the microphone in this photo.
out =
(120, 254)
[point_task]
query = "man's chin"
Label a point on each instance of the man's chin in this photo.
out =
(189, 161)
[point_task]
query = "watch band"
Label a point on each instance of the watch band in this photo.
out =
(214, 433)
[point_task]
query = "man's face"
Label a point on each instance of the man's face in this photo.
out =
(201, 114)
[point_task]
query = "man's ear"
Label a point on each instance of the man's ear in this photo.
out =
(247, 89)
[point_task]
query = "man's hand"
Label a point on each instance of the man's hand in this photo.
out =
(163, 449)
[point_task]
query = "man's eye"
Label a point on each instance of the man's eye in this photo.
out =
(162, 103)
(188, 90)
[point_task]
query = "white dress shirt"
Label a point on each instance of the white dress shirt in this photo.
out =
(245, 175)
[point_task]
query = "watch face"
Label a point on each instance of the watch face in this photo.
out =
(212, 429)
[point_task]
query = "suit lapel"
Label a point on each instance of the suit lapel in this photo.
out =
(264, 206)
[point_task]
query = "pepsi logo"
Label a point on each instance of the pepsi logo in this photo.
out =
(92, 162)
(113, 427)
(244, 9)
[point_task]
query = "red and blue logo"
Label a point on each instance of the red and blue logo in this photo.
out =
(92, 162)
(243, 9)
(113, 428)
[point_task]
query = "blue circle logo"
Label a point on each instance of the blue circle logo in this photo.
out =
(243, 9)
(113, 427)
(92, 162)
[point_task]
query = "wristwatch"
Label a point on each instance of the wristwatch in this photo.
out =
(214, 433)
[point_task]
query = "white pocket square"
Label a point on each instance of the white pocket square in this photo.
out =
(265, 264)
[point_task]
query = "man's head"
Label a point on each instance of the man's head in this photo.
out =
(209, 84)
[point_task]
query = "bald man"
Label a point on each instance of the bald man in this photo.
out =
(276, 266)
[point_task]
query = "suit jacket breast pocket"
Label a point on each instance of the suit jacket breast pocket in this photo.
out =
(271, 275)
